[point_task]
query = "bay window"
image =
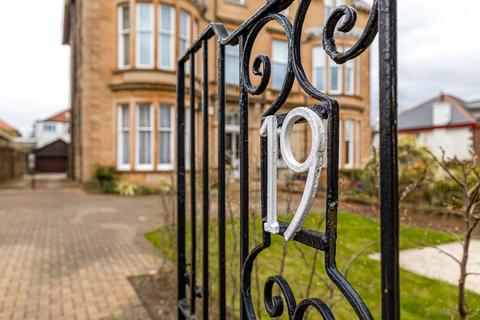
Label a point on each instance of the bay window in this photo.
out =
(319, 68)
(166, 27)
(279, 63)
(123, 137)
(232, 64)
(144, 34)
(144, 145)
(123, 34)
(165, 137)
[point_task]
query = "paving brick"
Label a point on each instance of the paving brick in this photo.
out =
(66, 254)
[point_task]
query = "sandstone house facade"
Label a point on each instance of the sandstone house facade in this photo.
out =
(123, 81)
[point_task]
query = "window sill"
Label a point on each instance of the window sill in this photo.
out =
(153, 70)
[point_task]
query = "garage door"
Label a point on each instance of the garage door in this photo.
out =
(51, 164)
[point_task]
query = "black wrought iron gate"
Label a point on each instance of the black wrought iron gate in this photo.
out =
(383, 19)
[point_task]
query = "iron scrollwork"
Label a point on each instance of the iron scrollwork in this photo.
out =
(342, 19)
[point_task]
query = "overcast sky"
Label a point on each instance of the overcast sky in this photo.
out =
(439, 50)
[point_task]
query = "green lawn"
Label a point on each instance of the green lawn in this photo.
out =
(422, 298)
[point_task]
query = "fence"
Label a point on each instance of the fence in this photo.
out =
(13, 163)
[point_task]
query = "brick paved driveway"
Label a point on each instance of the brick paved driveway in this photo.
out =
(65, 254)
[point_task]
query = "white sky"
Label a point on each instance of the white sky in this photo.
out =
(34, 66)
(439, 50)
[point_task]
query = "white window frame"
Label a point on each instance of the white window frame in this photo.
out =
(350, 137)
(319, 62)
(121, 32)
(170, 33)
(278, 59)
(144, 166)
(165, 166)
(121, 128)
(149, 30)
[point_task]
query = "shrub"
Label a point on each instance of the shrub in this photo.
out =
(106, 177)
(126, 189)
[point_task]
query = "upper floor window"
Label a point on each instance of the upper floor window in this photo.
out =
(232, 64)
(145, 39)
(49, 127)
(123, 137)
(165, 137)
(166, 27)
(279, 62)
(123, 29)
(319, 68)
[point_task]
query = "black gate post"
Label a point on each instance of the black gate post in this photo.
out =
(388, 160)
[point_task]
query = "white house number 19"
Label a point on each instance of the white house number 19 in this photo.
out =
(313, 165)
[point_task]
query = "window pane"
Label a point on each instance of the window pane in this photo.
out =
(145, 16)
(145, 47)
(164, 147)
(279, 63)
(126, 49)
(232, 64)
(334, 78)
(165, 18)
(145, 147)
(165, 50)
(125, 117)
(165, 115)
(125, 137)
(320, 78)
(319, 67)
(279, 51)
(125, 17)
(278, 73)
(184, 24)
(144, 115)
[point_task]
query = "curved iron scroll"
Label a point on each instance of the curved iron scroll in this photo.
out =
(327, 108)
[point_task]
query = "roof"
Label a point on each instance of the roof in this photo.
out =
(9, 129)
(55, 148)
(421, 116)
(63, 116)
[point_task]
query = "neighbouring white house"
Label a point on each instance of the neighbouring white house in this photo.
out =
(443, 122)
(53, 128)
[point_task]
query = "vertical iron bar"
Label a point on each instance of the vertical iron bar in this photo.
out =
(222, 293)
(244, 196)
(193, 207)
(388, 160)
(181, 263)
(205, 182)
